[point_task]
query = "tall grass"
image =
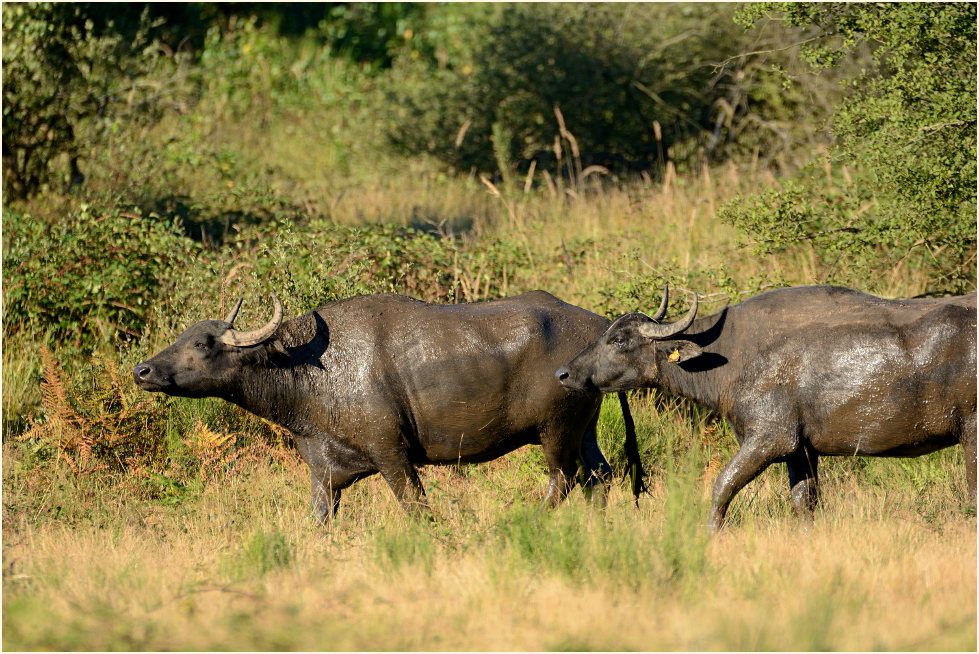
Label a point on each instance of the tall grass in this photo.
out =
(212, 546)
(21, 385)
(243, 566)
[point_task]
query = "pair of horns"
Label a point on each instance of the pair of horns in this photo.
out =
(656, 331)
(254, 337)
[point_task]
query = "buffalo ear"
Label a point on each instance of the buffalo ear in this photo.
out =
(678, 351)
(277, 348)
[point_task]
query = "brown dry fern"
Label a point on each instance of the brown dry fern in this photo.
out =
(96, 422)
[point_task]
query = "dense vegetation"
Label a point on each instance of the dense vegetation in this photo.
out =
(161, 160)
(907, 131)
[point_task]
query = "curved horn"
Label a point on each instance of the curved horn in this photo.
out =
(662, 305)
(242, 339)
(230, 319)
(659, 332)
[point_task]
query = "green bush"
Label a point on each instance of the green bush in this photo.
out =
(370, 32)
(64, 73)
(631, 82)
(322, 262)
(901, 187)
(592, 62)
(89, 278)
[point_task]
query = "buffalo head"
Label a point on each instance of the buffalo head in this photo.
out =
(632, 353)
(203, 361)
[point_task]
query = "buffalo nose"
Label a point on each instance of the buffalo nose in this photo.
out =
(140, 371)
(562, 374)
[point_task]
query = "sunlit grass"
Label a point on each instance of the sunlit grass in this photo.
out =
(242, 566)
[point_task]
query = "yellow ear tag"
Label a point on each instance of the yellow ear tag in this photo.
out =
(675, 355)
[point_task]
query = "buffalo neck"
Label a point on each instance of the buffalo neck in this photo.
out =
(703, 379)
(268, 390)
(283, 381)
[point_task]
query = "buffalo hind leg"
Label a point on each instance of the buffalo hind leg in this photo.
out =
(968, 440)
(757, 452)
(562, 463)
(598, 473)
(803, 481)
(403, 479)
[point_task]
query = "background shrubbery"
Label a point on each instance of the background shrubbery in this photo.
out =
(89, 278)
(902, 179)
(637, 84)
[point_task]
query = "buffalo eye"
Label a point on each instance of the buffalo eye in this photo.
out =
(203, 347)
(618, 341)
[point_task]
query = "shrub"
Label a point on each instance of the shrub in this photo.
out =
(323, 261)
(631, 82)
(62, 69)
(89, 278)
(592, 62)
(900, 190)
(99, 420)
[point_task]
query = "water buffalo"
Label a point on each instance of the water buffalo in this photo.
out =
(803, 372)
(383, 383)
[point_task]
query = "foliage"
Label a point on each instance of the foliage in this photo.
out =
(323, 262)
(99, 425)
(370, 32)
(245, 68)
(89, 278)
(904, 167)
(583, 59)
(631, 100)
(97, 421)
(61, 69)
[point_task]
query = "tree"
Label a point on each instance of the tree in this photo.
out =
(63, 64)
(904, 151)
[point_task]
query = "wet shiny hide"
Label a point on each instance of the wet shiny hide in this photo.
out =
(383, 383)
(806, 372)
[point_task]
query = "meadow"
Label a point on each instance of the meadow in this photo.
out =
(211, 545)
(887, 564)
(140, 522)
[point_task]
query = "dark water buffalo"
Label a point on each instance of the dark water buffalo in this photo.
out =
(803, 372)
(383, 383)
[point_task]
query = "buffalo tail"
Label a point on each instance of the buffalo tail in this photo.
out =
(634, 465)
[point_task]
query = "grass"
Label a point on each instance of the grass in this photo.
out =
(218, 550)
(241, 566)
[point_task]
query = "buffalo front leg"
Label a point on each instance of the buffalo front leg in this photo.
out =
(803, 481)
(326, 500)
(326, 487)
(757, 453)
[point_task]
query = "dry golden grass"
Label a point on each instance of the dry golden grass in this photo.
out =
(184, 579)
(241, 566)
